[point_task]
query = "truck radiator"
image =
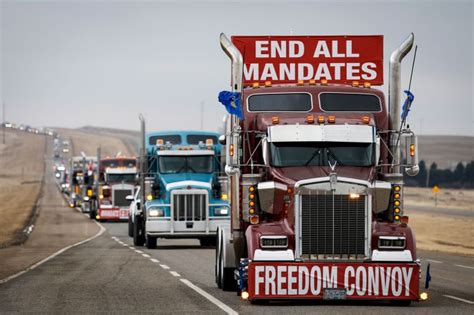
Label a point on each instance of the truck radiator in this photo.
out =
(119, 198)
(333, 226)
(189, 206)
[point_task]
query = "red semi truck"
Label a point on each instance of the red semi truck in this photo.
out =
(315, 168)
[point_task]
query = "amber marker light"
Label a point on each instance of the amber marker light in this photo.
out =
(312, 82)
(320, 119)
(275, 120)
(331, 119)
(397, 188)
(310, 119)
(367, 85)
(300, 82)
(254, 219)
(366, 119)
(396, 203)
(255, 85)
(397, 218)
(412, 149)
(324, 82)
(397, 196)
(252, 204)
(231, 150)
(355, 83)
(397, 210)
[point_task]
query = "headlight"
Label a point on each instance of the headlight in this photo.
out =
(85, 198)
(392, 242)
(273, 241)
(156, 212)
(221, 212)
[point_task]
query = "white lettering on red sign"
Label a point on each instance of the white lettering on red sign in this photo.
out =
(294, 280)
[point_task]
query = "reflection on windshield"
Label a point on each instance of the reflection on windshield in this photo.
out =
(285, 154)
(185, 164)
(118, 178)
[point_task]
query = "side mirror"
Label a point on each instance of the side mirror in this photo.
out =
(129, 198)
(377, 150)
(265, 152)
(222, 139)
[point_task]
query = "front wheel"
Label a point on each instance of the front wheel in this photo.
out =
(130, 227)
(138, 236)
(150, 242)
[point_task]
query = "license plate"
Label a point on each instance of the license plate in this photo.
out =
(334, 294)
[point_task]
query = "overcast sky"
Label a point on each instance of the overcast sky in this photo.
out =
(75, 63)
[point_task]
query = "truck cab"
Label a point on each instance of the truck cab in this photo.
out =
(183, 191)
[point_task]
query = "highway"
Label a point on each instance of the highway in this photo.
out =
(108, 274)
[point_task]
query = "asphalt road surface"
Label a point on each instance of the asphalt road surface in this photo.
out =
(108, 274)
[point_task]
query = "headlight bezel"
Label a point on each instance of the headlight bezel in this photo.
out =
(156, 212)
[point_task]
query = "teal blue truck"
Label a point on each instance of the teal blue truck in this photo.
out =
(184, 195)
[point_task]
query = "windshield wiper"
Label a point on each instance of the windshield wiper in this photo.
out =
(317, 152)
(330, 153)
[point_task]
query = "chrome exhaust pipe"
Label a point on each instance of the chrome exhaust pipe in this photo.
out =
(237, 62)
(394, 95)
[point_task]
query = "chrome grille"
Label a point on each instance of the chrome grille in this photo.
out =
(333, 226)
(189, 206)
(120, 197)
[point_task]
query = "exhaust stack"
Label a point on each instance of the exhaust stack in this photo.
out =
(394, 95)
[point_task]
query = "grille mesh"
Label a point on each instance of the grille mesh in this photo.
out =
(189, 207)
(332, 225)
(120, 197)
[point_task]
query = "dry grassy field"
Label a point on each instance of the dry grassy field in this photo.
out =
(22, 168)
(436, 229)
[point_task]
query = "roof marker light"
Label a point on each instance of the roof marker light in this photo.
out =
(367, 85)
(268, 83)
(312, 82)
(300, 82)
(355, 83)
(310, 119)
(321, 119)
(324, 82)
(255, 85)
(366, 119)
(275, 120)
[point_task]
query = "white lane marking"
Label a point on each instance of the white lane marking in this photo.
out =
(131, 247)
(458, 299)
(218, 303)
(114, 238)
(164, 266)
(124, 245)
(462, 266)
(145, 255)
(138, 251)
(39, 263)
(434, 261)
(174, 273)
(155, 260)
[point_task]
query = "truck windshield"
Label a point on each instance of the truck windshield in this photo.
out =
(286, 154)
(185, 164)
(118, 178)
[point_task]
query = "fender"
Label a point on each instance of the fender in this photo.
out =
(227, 247)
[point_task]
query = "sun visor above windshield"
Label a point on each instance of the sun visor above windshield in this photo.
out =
(321, 133)
(184, 152)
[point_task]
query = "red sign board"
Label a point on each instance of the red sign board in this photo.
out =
(288, 59)
(388, 281)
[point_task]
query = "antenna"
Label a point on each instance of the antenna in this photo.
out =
(412, 67)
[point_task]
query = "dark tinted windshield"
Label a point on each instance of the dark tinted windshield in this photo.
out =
(285, 154)
(195, 139)
(185, 164)
(173, 139)
(345, 102)
(118, 178)
(291, 102)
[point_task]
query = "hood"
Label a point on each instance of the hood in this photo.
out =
(180, 180)
(290, 175)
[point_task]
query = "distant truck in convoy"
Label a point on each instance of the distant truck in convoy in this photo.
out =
(117, 180)
(81, 181)
(181, 187)
(315, 172)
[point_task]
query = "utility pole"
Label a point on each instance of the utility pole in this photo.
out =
(3, 119)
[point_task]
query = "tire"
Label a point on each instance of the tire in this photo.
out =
(130, 227)
(208, 241)
(150, 242)
(92, 215)
(226, 275)
(217, 265)
(138, 237)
